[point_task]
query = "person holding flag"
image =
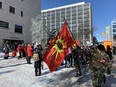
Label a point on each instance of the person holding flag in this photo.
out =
(57, 49)
(77, 52)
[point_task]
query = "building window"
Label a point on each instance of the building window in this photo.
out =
(114, 26)
(12, 9)
(114, 30)
(0, 4)
(4, 24)
(18, 28)
(114, 23)
(21, 13)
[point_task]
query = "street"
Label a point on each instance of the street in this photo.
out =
(17, 73)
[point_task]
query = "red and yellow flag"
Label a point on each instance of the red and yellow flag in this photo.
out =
(57, 48)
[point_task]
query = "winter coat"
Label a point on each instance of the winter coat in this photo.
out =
(13, 53)
(19, 48)
(25, 48)
(6, 50)
(29, 51)
(37, 64)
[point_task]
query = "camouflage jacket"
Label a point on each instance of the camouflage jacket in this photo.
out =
(99, 62)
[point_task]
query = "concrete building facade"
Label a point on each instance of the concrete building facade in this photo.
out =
(78, 17)
(108, 33)
(15, 20)
(113, 33)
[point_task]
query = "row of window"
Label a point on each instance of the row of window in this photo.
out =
(86, 16)
(18, 28)
(11, 9)
(1, 4)
(114, 26)
(74, 26)
(79, 12)
(67, 11)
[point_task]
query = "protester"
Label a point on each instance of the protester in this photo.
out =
(68, 58)
(29, 53)
(19, 51)
(83, 55)
(24, 50)
(37, 59)
(77, 59)
(6, 51)
(109, 52)
(98, 65)
(13, 52)
(66, 61)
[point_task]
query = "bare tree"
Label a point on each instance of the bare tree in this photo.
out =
(94, 29)
(36, 29)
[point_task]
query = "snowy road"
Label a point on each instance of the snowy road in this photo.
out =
(16, 73)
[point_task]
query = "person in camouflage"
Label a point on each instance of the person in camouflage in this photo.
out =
(98, 65)
(76, 51)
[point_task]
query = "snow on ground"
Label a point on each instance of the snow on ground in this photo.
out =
(17, 73)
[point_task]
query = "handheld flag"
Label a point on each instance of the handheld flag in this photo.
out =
(57, 48)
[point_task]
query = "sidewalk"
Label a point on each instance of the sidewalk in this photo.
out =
(17, 73)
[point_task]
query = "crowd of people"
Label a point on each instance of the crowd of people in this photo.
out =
(26, 51)
(98, 59)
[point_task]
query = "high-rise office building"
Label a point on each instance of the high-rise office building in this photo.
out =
(78, 17)
(16, 19)
(108, 33)
(113, 33)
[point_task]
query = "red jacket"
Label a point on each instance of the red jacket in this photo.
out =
(13, 53)
(25, 48)
(29, 51)
(19, 48)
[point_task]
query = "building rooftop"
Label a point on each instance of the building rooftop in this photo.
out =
(71, 5)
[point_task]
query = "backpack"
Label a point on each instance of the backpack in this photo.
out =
(36, 57)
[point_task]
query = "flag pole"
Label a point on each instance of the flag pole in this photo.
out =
(70, 30)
